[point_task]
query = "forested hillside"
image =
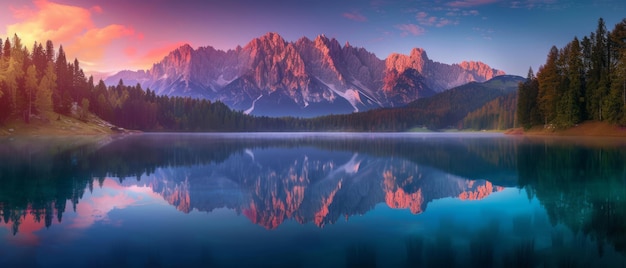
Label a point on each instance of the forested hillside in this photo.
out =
(585, 80)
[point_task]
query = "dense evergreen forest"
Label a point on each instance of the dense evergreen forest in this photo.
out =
(498, 114)
(42, 83)
(585, 80)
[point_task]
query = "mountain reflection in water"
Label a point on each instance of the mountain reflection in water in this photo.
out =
(555, 202)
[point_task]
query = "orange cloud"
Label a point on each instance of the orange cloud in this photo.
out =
(91, 45)
(50, 21)
(70, 26)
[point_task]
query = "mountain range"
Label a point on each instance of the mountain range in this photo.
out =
(272, 77)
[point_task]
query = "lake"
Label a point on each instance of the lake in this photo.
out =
(312, 200)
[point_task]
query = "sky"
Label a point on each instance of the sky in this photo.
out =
(111, 35)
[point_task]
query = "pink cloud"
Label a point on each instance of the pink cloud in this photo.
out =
(355, 16)
(411, 29)
(98, 208)
(116, 196)
(425, 20)
(28, 227)
(130, 51)
(421, 15)
(155, 55)
(471, 3)
(444, 22)
(96, 9)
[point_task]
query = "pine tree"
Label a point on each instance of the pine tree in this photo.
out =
(39, 59)
(79, 84)
(524, 101)
(49, 51)
(6, 50)
(61, 97)
(598, 81)
(569, 110)
(617, 94)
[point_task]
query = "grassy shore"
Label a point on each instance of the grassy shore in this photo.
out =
(586, 129)
(52, 124)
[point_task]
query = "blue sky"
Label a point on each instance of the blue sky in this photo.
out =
(130, 34)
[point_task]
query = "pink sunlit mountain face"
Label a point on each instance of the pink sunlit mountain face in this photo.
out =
(270, 76)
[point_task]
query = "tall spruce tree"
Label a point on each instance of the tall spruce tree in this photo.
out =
(570, 102)
(6, 49)
(61, 97)
(598, 81)
(617, 96)
(49, 51)
(525, 101)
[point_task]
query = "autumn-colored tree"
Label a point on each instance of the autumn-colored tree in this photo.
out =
(6, 50)
(549, 78)
(43, 100)
(30, 87)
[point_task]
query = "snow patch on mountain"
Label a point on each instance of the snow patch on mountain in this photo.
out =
(223, 82)
(249, 110)
(350, 95)
(368, 92)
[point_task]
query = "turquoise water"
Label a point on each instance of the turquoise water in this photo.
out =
(312, 200)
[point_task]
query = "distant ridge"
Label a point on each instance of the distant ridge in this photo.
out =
(273, 77)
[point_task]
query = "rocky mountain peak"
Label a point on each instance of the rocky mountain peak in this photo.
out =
(180, 56)
(269, 41)
(319, 75)
(480, 69)
(418, 53)
(417, 59)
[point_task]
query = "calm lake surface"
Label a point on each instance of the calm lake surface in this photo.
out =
(312, 200)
